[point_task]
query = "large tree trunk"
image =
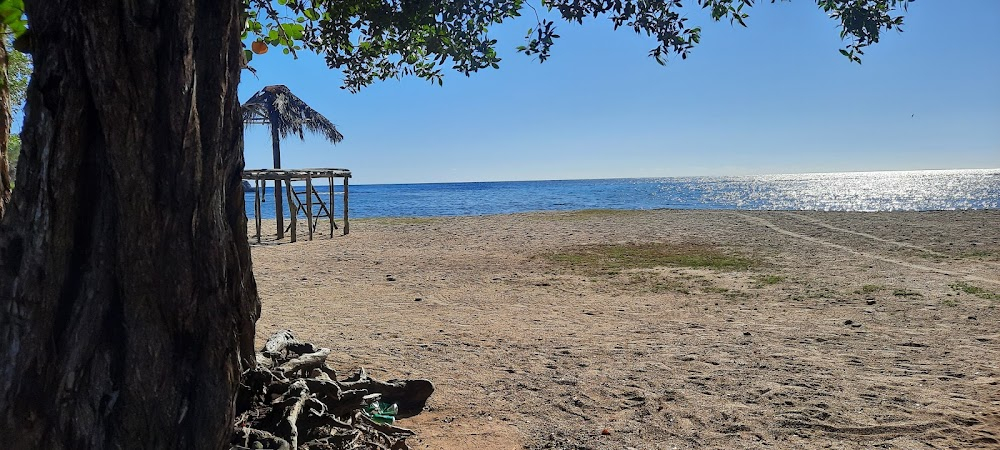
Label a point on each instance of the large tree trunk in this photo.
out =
(127, 302)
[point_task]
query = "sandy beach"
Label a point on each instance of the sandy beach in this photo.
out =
(663, 329)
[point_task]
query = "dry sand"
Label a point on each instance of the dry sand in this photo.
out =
(854, 331)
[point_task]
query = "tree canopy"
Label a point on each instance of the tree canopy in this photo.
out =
(18, 73)
(17, 70)
(373, 40)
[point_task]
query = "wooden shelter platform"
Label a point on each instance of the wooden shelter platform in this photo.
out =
(299, 200)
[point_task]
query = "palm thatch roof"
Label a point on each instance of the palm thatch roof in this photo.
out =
(277, 107)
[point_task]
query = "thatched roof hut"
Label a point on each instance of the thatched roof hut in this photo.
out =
(286, 114)
(277, 107)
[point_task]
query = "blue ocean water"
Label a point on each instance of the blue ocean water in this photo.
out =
(850, 191)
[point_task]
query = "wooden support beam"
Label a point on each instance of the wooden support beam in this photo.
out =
(291, 206)
(279, 215)
(347, 223)
(331, 210)
(309, 205)
(256, 205)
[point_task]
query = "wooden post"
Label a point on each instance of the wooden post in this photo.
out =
(291, 205)
(309, 204)
(347, 224)
(256, 205)
(330, 211)
(279, 215)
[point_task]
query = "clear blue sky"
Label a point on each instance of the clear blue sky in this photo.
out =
(776, 97)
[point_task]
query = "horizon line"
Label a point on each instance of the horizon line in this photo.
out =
(895, 171)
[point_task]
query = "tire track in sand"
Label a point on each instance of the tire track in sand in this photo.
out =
(876, 238)
(771, 225)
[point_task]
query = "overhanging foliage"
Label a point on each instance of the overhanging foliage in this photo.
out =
(378, 39)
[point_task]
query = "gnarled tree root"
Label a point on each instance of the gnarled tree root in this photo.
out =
(293, 400)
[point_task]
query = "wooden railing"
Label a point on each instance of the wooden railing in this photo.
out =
(259, 178)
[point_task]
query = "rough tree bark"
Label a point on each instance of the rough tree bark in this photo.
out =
(127, 302)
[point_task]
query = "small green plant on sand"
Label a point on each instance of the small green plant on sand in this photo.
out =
(821, 293)
(981, 254)
(967, 288)
(715, 290)
(614, 258)
(870, 289)
(655, 283)
(906, 293)
(767, 280)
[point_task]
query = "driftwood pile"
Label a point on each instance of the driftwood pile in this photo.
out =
(292, 400)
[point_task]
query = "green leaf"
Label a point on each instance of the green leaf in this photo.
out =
(292, 30)
(18, 28)
(12, 14)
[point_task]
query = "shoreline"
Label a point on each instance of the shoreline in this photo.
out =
(849, 329)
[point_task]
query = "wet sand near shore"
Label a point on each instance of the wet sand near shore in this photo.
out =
(577, 330)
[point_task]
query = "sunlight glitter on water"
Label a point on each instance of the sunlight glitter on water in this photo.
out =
(875, 191)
